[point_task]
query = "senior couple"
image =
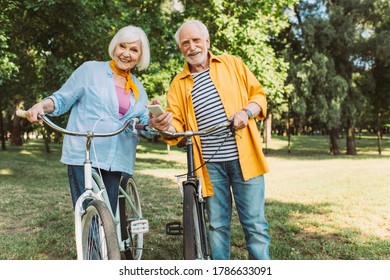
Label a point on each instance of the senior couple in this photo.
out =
(209, 90)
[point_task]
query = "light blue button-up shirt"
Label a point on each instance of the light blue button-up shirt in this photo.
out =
(91, 96)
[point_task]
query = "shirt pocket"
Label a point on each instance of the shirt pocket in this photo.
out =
(96, 101)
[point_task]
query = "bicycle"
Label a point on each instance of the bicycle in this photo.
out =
(194, 231)
(99, 233)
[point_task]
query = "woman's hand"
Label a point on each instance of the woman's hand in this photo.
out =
(41, 108)
(34, 112)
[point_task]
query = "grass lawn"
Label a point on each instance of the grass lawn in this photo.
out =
(319, 207)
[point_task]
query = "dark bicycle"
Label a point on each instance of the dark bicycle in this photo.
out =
(193, 229)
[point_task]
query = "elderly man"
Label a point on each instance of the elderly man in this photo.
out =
(212, 89)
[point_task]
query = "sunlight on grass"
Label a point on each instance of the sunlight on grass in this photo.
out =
(332, 200)
(6, 172)
(318, 206)
(365, 145)
(351, 193)
(163, 173)
(277, 144)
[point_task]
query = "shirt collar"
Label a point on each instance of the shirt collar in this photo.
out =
(186, 71)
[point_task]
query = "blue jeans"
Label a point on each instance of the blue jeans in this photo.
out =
(249, 200)
(111, 181)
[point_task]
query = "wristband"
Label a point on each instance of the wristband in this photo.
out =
(248, 112)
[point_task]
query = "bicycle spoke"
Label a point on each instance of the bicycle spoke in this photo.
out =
(99, 240)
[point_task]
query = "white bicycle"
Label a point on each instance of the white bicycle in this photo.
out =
(100, 235)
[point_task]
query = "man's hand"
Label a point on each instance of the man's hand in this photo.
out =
(239, 119)
(162, 122)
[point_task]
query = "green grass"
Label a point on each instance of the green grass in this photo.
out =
(36, 216)
(318, 206)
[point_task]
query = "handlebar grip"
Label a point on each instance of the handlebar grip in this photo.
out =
(21, 113)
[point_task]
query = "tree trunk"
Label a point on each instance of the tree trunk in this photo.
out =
(2, 130)
(379, 135)
(16, 135)
(47, 146)
(289, 128)
(289, 140)
(334, 147)
(351, 145)
(46, 138)
(267, 131)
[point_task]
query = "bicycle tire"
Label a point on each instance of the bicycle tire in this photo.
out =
(99, 238)
(130, 210)
(189, 247)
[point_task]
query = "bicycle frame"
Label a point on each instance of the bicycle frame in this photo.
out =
(98, 191)
(94, 187)
(192, 182)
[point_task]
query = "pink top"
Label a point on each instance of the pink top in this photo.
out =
(123, 100)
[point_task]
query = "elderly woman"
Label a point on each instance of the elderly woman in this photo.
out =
(102, 96)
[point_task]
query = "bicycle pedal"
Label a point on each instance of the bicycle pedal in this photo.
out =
(174, 228)
(139, 226)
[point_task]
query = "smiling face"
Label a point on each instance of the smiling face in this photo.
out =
(194, 47)
(126, 55)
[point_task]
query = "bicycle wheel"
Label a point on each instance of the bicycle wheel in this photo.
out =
(99, 239)
(189, 241)
(133, 226)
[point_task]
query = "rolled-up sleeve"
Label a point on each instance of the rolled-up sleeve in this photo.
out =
(67, 95)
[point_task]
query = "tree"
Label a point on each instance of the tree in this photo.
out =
(374, 76)
(49, 39)
(8, 70)
(243, 28)
(247, 29)
(325, 52)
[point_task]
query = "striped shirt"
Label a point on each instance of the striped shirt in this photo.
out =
(209, 111)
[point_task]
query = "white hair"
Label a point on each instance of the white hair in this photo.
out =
(131, 34)
(198, 23)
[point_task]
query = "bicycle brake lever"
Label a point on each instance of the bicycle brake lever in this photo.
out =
(231, 128)
(134, 130)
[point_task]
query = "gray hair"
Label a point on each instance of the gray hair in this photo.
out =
(198, 23)
(131, 34)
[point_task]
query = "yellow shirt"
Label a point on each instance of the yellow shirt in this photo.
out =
(237, 87)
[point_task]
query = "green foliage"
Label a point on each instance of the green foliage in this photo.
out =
(375, 81)
(246, 28)
(333, 54)
(48, 40)
(7, 66)
(327, 60)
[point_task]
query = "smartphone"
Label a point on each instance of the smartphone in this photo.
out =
(155, 109)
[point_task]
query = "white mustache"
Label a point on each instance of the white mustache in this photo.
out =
(194, 51)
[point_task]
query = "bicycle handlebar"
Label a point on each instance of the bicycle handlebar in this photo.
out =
(22, 114)
(190, 133)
